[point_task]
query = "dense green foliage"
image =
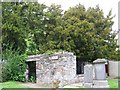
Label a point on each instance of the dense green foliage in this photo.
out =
(34, 28)
(115, 55)
(13, 65)
(21, 23)
(89, 32)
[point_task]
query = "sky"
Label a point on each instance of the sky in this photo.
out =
(106, 5)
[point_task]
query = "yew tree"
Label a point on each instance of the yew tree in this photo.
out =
(88, 32)
(36, 28)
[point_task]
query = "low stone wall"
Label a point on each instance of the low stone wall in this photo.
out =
(59, 66)
(114, 67)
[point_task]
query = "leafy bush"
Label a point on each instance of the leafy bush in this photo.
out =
(32, 79)
(115, 55)
(13, 65)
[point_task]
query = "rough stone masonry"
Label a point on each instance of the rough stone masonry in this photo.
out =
(52, 67)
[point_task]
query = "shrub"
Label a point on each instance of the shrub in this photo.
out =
(32, 79)
(13, 65)
(115, 55)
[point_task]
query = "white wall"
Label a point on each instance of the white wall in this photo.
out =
(114, 69)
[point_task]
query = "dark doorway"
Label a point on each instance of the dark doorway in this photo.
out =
(80, 66)
(106, 68)
(32, 71)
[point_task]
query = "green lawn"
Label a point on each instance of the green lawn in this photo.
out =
(11, 84)
(113, 83)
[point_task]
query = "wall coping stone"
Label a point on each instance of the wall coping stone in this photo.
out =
(100, 61)
(45, 55)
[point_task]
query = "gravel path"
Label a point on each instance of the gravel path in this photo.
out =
(34, 85)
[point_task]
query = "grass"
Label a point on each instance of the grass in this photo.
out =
(113, 83)
(11, 84)
(45, 85)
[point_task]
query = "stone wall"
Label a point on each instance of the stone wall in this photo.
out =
(59, 66)
(114, 67)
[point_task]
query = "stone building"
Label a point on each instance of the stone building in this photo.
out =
(47, 68)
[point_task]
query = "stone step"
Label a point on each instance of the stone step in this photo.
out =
(96, 86)
(75, 85)
(100, 82)
(88, 85)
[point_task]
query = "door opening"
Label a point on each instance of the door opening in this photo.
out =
(32, 71)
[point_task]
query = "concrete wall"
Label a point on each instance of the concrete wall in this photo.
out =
(114, 69)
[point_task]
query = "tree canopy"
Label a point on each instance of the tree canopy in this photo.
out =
(35, 28)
